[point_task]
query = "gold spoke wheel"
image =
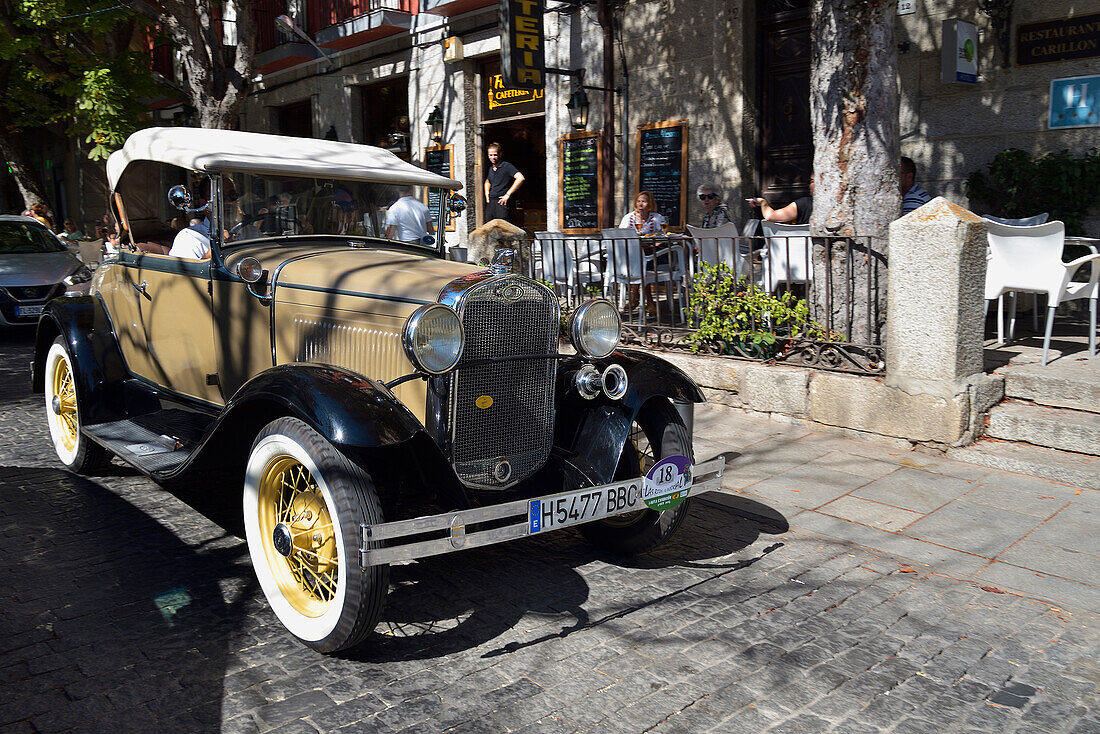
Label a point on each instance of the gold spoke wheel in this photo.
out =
(300, 545)
(64, 403)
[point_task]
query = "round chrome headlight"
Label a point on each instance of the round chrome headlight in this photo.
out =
(594, 329)
(433, 338)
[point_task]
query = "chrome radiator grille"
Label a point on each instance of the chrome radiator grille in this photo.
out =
(502, 393)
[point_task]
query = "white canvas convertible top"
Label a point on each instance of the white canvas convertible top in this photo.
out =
(213, 151)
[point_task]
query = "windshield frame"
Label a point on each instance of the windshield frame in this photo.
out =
(220, 221)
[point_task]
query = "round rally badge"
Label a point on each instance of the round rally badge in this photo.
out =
(668, 483)
(484, 402)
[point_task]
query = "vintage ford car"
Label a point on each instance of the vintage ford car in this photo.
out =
(372, 401)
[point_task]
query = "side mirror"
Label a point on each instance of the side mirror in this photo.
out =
(456, 204)
(180, 197)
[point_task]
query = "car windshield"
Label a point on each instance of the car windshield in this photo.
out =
(24, 238)
(258, 206)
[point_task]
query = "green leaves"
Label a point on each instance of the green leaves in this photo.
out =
(734, 312)
(71, 68)
(1021, 185)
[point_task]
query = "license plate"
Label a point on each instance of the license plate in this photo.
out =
(28, 310)
(584, 505)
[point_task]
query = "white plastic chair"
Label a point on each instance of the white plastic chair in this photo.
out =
(717, 245)
(560, 264)
(1029, 260)
(788, 257)
(1022, 222)
(628, 264)
(626, 261)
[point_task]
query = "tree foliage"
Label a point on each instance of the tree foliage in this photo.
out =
(72, 66)
(1019, 184)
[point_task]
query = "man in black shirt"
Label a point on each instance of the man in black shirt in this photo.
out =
(797, 212)
(501, 182)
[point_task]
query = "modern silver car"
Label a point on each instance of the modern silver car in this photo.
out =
(34, 267)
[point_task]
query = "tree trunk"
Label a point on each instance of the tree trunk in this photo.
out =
(854, 112)
(217, 80)
(26, 178)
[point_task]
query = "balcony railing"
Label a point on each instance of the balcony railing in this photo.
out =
(324, 13)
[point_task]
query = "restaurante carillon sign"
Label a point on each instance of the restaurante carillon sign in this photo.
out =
(522, 47)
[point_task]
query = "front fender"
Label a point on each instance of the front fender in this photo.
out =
(347, 409)
(652, 376)
(602, 426)
(99, 370)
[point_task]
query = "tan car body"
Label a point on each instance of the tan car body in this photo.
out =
(335, 304)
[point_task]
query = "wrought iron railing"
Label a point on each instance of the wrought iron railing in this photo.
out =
(791, 298)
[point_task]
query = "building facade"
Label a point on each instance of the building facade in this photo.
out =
(730, 77)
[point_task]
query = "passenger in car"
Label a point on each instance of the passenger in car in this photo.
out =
(192, 242)
(407, 219)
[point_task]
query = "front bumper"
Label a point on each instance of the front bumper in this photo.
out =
(400, 536)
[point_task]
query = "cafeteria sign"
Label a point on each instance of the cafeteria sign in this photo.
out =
(505, 101)
(523, 58)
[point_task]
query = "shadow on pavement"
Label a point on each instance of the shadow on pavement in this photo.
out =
(108, 616)
(457, 602)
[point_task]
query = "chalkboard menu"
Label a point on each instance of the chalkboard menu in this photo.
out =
(662, 167)
(580, 183)
(439, 160)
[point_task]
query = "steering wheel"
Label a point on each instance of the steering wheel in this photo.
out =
(245, 222)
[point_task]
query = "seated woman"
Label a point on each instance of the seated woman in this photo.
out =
(643, 219)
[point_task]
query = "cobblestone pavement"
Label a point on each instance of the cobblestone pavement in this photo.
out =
(127, 609)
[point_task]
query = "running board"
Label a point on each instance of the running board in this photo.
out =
(146, 450)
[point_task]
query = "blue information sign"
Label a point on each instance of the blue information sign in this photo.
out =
(1075, 102)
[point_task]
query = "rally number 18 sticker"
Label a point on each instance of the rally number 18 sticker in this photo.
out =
(668, 483)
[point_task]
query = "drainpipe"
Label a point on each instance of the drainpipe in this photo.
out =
(607, 137)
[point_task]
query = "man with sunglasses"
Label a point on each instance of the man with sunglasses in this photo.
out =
(715, 213)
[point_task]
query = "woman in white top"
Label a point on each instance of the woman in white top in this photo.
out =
(643, 219)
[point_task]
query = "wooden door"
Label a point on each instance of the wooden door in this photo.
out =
(785, 155)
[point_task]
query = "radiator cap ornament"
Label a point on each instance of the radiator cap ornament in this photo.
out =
(502, 261)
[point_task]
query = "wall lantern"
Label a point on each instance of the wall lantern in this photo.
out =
(1000, 12)
(578, 109)
(435, 125)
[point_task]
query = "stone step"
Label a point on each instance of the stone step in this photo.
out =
(1072, 384)
(1057, 428)
(1080, 470)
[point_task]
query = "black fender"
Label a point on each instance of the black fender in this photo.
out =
(359, 416)
(348, 409)
(99, 370)
(600, 427)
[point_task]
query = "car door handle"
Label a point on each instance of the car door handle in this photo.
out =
(140, 288)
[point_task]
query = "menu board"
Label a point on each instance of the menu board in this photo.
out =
(579, 183)
(439, 160)
(662, 167)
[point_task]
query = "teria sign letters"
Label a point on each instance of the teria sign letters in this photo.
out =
(523, 58)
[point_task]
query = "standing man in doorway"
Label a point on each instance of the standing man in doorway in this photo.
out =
(501, 182)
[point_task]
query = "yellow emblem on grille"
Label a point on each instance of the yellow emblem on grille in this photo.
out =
(484, 402)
